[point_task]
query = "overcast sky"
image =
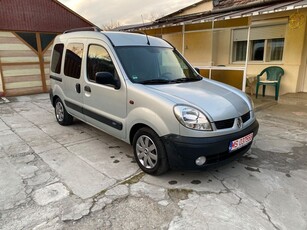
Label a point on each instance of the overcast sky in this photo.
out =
(124, 12)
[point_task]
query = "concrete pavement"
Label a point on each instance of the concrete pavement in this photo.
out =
(77, 177)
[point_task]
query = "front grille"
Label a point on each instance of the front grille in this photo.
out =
(225, 124)
(246, 117)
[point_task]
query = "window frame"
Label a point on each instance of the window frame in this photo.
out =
(270, 50)
(267, 50)
(115, 75)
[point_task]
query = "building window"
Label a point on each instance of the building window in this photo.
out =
(257, 49)
(239, 50)
(276, 49)
(266, 44)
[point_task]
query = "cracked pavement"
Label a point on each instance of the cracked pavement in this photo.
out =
(77, 177)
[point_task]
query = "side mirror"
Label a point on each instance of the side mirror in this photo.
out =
(107, 78)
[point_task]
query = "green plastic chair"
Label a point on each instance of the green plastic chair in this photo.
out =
(273, 77)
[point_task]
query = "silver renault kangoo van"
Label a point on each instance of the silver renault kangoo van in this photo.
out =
(141, 90)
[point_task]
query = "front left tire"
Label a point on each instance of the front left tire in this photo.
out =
(149, 152)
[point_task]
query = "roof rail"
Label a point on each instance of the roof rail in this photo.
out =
(83, 29)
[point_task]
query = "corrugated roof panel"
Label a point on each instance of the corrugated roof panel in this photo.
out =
(238, 13)
(278, 7)
(300, 4)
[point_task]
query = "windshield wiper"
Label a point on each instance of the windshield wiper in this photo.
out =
(165, 81)
(155, 81)
(184, 79)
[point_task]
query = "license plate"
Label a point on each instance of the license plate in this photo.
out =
(239, 143)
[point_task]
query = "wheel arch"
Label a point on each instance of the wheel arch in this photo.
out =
(55, 97)
(134, 129)
(144, 117)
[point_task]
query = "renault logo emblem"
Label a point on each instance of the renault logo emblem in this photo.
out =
(239, 123)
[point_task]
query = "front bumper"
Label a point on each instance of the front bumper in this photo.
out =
(182, 152)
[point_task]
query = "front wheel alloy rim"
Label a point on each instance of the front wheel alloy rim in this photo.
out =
(146, 151)
(59, 111)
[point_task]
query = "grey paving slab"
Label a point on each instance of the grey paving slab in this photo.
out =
(280, 194)
(33, 113)
(77, 211)
(118, 191)
(39, 179)
(12, 144)
(28, 216)
(49, 225)
(15, 121)
(250, 181)
(38, 140)
(197, 181)
(287, 204)
(143, 189)
(92, 130)
(109, 160)
(8, 137)
(3, 126)
(65, 135)
(2, 153)
(6, 110)
(81, 178)
(44, 104)
(273, 144)
(12, 190)
(130, 213)
(27, 171)
(221, 212)
(50, 193)
(285, 210)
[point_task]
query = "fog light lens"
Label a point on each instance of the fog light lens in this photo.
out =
(201, 160)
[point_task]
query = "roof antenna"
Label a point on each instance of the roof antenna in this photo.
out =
(148, 43)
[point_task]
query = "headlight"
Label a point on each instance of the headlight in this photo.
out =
(192, 118)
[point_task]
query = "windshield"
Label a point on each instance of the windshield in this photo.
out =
(155, 65)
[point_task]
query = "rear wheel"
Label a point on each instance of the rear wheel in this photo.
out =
(149, 152)
(61, 115)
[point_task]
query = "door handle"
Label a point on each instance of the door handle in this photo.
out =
(87, 89)
(78, 88)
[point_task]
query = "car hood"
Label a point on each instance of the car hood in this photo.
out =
(218, 101)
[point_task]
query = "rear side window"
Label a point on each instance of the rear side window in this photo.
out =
(56, 60)
(73, 60)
